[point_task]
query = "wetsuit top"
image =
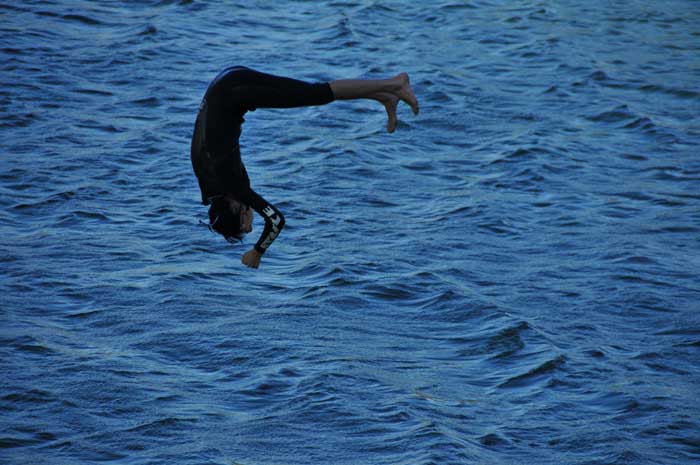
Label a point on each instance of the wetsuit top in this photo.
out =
(216, 156)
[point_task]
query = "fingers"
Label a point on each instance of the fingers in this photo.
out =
(251, 260)
(251, 264)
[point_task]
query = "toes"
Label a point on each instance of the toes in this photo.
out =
(391, 125)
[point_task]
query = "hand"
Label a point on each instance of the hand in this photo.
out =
(251, 258)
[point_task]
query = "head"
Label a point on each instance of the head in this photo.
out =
(230, 217)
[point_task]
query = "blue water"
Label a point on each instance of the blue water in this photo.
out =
(509, 278)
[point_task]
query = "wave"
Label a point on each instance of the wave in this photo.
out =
(673, 91)
(535, 375)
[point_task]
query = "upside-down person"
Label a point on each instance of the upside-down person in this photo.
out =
(216, 155)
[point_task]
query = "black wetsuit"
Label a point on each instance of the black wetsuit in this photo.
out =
(216, 155)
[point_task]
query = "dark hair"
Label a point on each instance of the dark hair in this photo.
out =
(224, 221)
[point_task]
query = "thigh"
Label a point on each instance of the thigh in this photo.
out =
(251, 89)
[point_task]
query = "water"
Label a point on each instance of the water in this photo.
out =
(510, 278)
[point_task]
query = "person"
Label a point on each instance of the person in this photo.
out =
(215, 150)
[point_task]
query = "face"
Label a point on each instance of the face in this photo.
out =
(246, 213)
(246, 219)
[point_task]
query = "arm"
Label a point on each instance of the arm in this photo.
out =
(274, 222)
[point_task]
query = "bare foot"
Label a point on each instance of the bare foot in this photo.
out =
(390, 101)
(405, 92)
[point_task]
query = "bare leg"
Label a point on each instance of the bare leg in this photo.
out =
(388, 92)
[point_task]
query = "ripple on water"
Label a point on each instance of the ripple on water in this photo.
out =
(508, 278)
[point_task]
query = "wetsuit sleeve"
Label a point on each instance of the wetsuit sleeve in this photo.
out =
(274, 220)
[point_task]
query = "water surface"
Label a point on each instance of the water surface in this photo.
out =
(510, 278)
